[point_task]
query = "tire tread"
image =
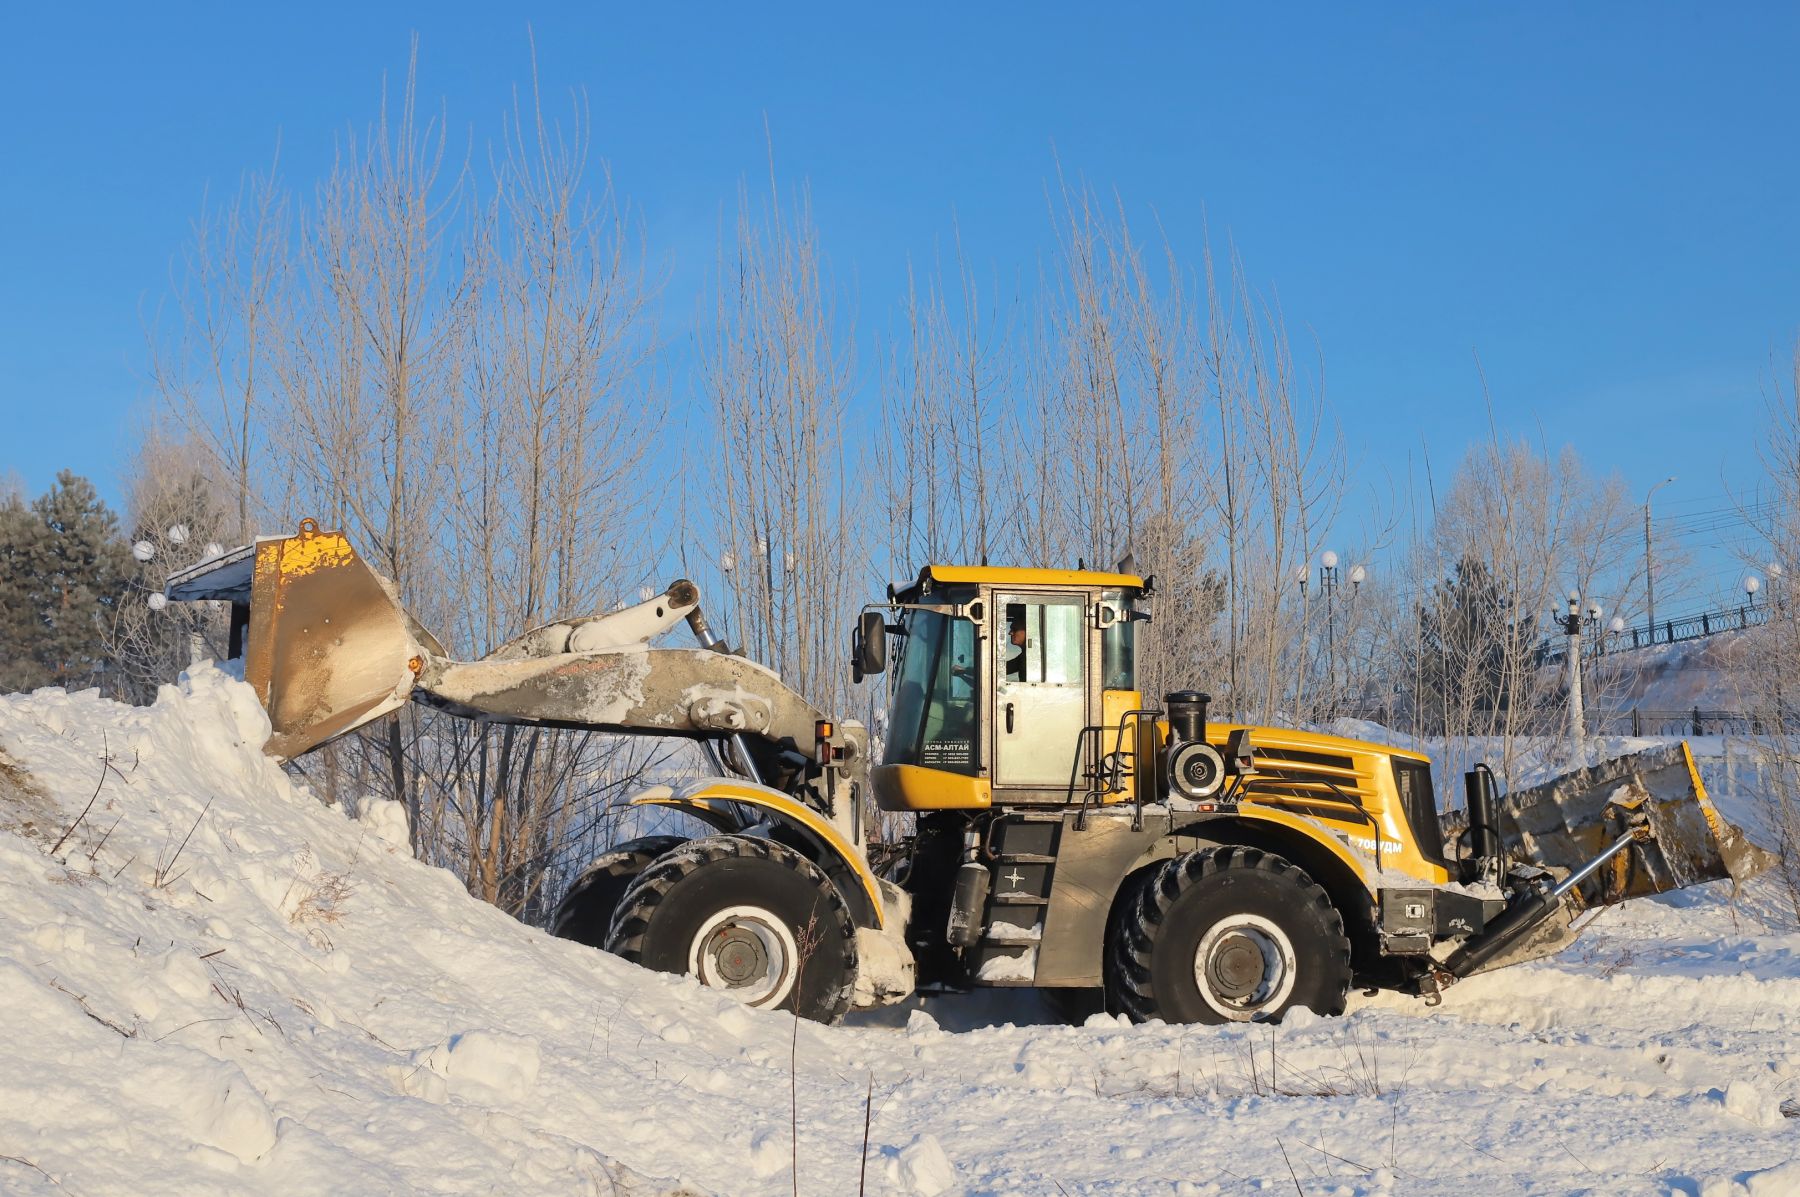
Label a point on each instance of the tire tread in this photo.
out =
(1130, 955)
(636, 909)
(627, 859)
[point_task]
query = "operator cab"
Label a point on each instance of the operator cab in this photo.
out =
(1000, 677)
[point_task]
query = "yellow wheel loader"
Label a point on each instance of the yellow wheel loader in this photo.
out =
(1070, 832)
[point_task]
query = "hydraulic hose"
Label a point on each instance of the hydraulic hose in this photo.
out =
(704, 634)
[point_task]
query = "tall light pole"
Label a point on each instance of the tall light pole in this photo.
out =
(1328, 584)
(1305, 669)
(1649, 563)
(1571, 627)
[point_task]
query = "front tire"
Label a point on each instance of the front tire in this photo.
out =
(750, 917)
(586, 912)
(1229, 935)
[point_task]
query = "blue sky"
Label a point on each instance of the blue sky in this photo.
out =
(1598, 200)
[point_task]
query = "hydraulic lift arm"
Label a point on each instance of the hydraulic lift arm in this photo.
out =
(328, 647)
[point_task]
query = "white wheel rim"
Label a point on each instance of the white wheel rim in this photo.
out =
(748, 952)
(1244, 967)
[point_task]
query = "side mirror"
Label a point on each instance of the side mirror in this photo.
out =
(868, 645)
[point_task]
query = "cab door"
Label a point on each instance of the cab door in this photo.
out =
(1041, 671)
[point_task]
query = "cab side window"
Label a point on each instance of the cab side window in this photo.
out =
(1043, 643)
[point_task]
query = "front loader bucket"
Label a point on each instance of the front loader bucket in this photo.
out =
(329, 646)
(1569, 820)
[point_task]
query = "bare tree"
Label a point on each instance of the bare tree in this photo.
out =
(212, 369)
(448, 364)
(1133, 423)
(946, 427)
(1770, 660)
(1277, 490)
(548, 443)
(776, 373)
(1516, 531)
(178, 512)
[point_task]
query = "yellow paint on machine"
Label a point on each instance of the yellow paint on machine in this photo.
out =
(708, 798)
(328, 648)
(1705, 803)
(306, 553)
(1287, 737)
(1348, 836)
(913, 787)
(1358, 864)
(1369, 777)
(1113, 705)
(1000, 575)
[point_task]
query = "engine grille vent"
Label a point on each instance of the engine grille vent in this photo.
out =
(1326, 778)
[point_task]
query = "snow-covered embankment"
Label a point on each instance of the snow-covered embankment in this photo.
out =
(216, 984)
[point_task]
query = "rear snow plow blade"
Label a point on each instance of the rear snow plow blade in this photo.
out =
(1631, 827)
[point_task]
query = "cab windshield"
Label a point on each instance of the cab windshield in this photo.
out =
(931, 722)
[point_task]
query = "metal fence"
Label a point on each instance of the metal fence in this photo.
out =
(1695, 721)
(1663, 631)
(1627, 721)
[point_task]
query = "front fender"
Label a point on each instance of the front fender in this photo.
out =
(1356, 864)
(718, 802)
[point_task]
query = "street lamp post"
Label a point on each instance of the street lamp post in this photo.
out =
(1649, 562)
(1304, 671)
(1358, 575)
(1328, 584)
(1571, 626)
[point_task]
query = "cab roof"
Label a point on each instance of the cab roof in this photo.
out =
(1002, 575)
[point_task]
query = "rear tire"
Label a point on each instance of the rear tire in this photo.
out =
(1229, 935)
(749, 917)
(586, 912)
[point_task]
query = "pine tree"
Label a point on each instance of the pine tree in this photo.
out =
(19, 623)
(64, 568)
(1465, 626)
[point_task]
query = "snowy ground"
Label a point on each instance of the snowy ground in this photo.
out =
(217, 985)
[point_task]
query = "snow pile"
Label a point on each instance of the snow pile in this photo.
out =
(1702, 673)
(214, 984)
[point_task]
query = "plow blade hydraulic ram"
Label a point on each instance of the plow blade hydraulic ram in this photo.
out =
(1631, 827)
